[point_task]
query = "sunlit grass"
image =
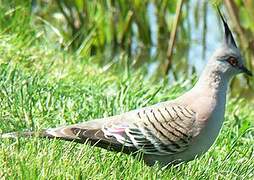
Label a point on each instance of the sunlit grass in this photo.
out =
(42, 86)
(73, 90)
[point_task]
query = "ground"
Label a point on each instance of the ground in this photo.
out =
(42, 86)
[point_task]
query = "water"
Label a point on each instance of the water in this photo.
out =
(213, 37)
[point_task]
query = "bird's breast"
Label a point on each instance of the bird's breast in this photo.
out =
(210, 116)
(210, 126)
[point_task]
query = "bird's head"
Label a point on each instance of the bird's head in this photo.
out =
(228, 57)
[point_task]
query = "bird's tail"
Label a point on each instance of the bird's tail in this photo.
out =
(12, 135)
(64, 133)
(76, 133)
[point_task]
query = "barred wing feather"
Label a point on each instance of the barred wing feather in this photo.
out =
(159, 130)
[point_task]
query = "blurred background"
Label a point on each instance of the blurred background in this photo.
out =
(170, 39)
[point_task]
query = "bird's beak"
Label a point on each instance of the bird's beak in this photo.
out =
(245, 70)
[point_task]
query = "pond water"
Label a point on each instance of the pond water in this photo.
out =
(214, 37)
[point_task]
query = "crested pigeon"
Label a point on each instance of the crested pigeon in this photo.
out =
(168, 132)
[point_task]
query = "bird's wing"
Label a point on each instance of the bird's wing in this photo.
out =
(161, 130)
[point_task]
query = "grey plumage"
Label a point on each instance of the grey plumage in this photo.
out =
(167, 132)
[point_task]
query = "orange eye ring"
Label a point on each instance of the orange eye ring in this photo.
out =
(233, 61)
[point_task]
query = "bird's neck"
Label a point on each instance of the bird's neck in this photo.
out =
(213, 81)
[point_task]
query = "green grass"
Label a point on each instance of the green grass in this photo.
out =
(42, 86)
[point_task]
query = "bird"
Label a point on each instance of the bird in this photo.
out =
(169, 132)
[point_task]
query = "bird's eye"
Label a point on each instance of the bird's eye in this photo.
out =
(233, 61)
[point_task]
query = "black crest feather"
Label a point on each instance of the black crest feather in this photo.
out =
(229, 39)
